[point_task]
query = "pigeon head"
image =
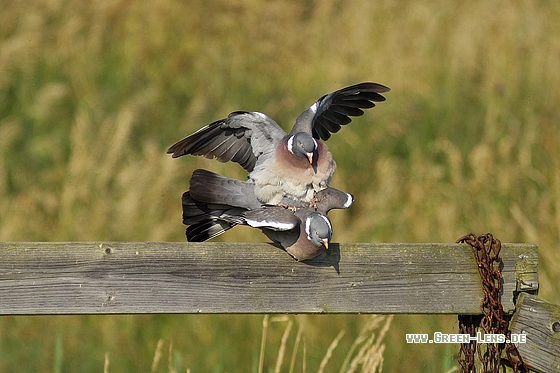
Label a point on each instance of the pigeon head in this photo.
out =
(302, 145)
(318, 229)
(330, 198)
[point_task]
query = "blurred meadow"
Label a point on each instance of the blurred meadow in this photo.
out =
(93, 92)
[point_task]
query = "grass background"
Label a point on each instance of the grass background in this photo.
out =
(93, 93)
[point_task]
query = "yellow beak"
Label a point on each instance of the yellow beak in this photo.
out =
(310, 158)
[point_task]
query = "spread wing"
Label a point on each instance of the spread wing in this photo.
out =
(242, 137)
(334, 110)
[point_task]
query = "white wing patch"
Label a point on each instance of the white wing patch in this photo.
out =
(276, 225)
(314, 107)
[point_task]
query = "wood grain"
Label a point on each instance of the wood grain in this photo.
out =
(169, 277)
(539, 320)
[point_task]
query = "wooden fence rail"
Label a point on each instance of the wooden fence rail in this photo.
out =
(165, 277)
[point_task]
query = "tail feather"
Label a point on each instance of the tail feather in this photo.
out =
(207, 220)
(195, 211)
(207, 229)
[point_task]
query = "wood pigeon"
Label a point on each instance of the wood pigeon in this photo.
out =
(215, 204)
(282, 166)
(304, 233)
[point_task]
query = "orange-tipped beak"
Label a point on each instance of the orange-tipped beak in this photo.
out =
(325, 242)
(310, 158)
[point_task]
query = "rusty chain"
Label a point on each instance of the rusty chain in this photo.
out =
(486, 250)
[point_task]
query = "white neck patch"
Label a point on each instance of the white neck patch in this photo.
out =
(327, 220)
(349, 201)
(308, 227)
(291, 144)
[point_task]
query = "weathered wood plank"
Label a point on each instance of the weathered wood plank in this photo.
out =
(165, 277)
(540, 321)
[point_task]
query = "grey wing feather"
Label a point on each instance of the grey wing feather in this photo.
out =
(242, 137)
(271, 217)
(334, 110)
(210, 187)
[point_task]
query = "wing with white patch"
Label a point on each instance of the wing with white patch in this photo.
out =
(242, 137)
(271, 217)
(334, 110)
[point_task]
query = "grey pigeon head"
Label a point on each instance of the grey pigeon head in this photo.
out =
(318, 229)
(302, 145)
(331, 198)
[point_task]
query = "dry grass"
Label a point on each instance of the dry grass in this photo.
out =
(365, 354)
(92, 93)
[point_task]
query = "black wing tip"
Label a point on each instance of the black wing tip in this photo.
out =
(201, 172)
(175, 150)
(182, 147)
(346, 103)
(370, 87)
